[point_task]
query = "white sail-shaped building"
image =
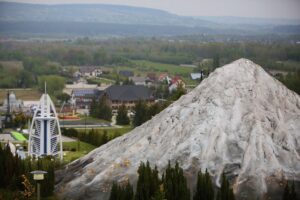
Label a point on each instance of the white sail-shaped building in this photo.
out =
(45, 134)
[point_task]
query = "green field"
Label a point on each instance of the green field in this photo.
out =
(111, 131)
(18, 136)
(75, 150)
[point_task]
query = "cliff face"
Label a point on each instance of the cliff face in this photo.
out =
(239, 120)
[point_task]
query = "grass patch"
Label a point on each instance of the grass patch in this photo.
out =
(18, 136)
(110, 131)
(75, 150)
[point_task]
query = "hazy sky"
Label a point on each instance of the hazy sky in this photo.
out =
(244, 8)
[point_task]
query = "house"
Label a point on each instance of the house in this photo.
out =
(126, 73)
(128, 95)
(139, 80)
(89, 72)
(164, 77)
(151, 77)
(84, 97)
(175, 83)
(195, 76)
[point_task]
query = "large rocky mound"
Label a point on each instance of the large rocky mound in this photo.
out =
(239, 120)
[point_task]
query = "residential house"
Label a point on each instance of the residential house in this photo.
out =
(175, 83)
(139, 80)
(152, 77)
(196, 76)
(128, 95)
(164, 77)
(90, 71)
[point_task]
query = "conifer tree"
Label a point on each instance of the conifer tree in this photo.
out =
(141, 113)
(175, 185)
(122, 118)
(225, 192)
(204, 188)
(148, 184)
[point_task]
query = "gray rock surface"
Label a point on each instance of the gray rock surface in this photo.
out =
(239, 120)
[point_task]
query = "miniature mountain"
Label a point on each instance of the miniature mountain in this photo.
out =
(239, 121)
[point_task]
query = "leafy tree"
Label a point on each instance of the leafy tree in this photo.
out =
(55, 84)
(122, 118)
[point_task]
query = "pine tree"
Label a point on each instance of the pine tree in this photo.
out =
(141, 113)
(93, 108)
(148, 184)
(103, 109)
(121, 192)
(204, 189)
(225, 192)
(122, 118)
(175, 185)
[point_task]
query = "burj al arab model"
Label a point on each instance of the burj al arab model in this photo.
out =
(45, 134)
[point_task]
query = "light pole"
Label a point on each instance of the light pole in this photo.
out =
(38, 176)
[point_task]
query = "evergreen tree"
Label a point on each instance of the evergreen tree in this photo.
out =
(93, 108)
(121, 192)
(225, 192)
(175, 185)
(103, 109)
(148, 184)
(141, 114)
(122, 118)
(204, 190)
(293, 192)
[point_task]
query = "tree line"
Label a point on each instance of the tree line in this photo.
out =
(14, 171)
(93, 137)
(172, 185)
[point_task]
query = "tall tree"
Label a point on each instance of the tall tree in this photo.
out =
(175, 184)
(204, 188)
(122, 118)
(141, 114)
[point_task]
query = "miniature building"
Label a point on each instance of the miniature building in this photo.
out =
(44, 134)
(14, 104)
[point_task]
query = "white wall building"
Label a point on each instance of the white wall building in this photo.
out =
(45, 134)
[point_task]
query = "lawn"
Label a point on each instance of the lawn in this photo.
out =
(71, 150)
(160, 67)
(23, 94)
(110, 131)
(18, 136)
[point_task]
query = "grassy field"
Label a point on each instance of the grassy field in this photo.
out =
(23, 94)
(18, 136)
(72, 152)
(110, 130)
(12, 66)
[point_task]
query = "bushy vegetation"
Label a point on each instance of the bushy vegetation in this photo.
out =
(12, 168)
(122, 118)
(101, 109)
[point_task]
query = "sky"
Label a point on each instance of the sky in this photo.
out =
(284, 9)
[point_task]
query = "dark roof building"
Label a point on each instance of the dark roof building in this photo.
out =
(84, 97)
(126, 73)
(128, 94)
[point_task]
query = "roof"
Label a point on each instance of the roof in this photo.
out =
(126, 73)
(138, 79)
(86, 92)
(128, 92)
(195, 76)
(88, 69)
